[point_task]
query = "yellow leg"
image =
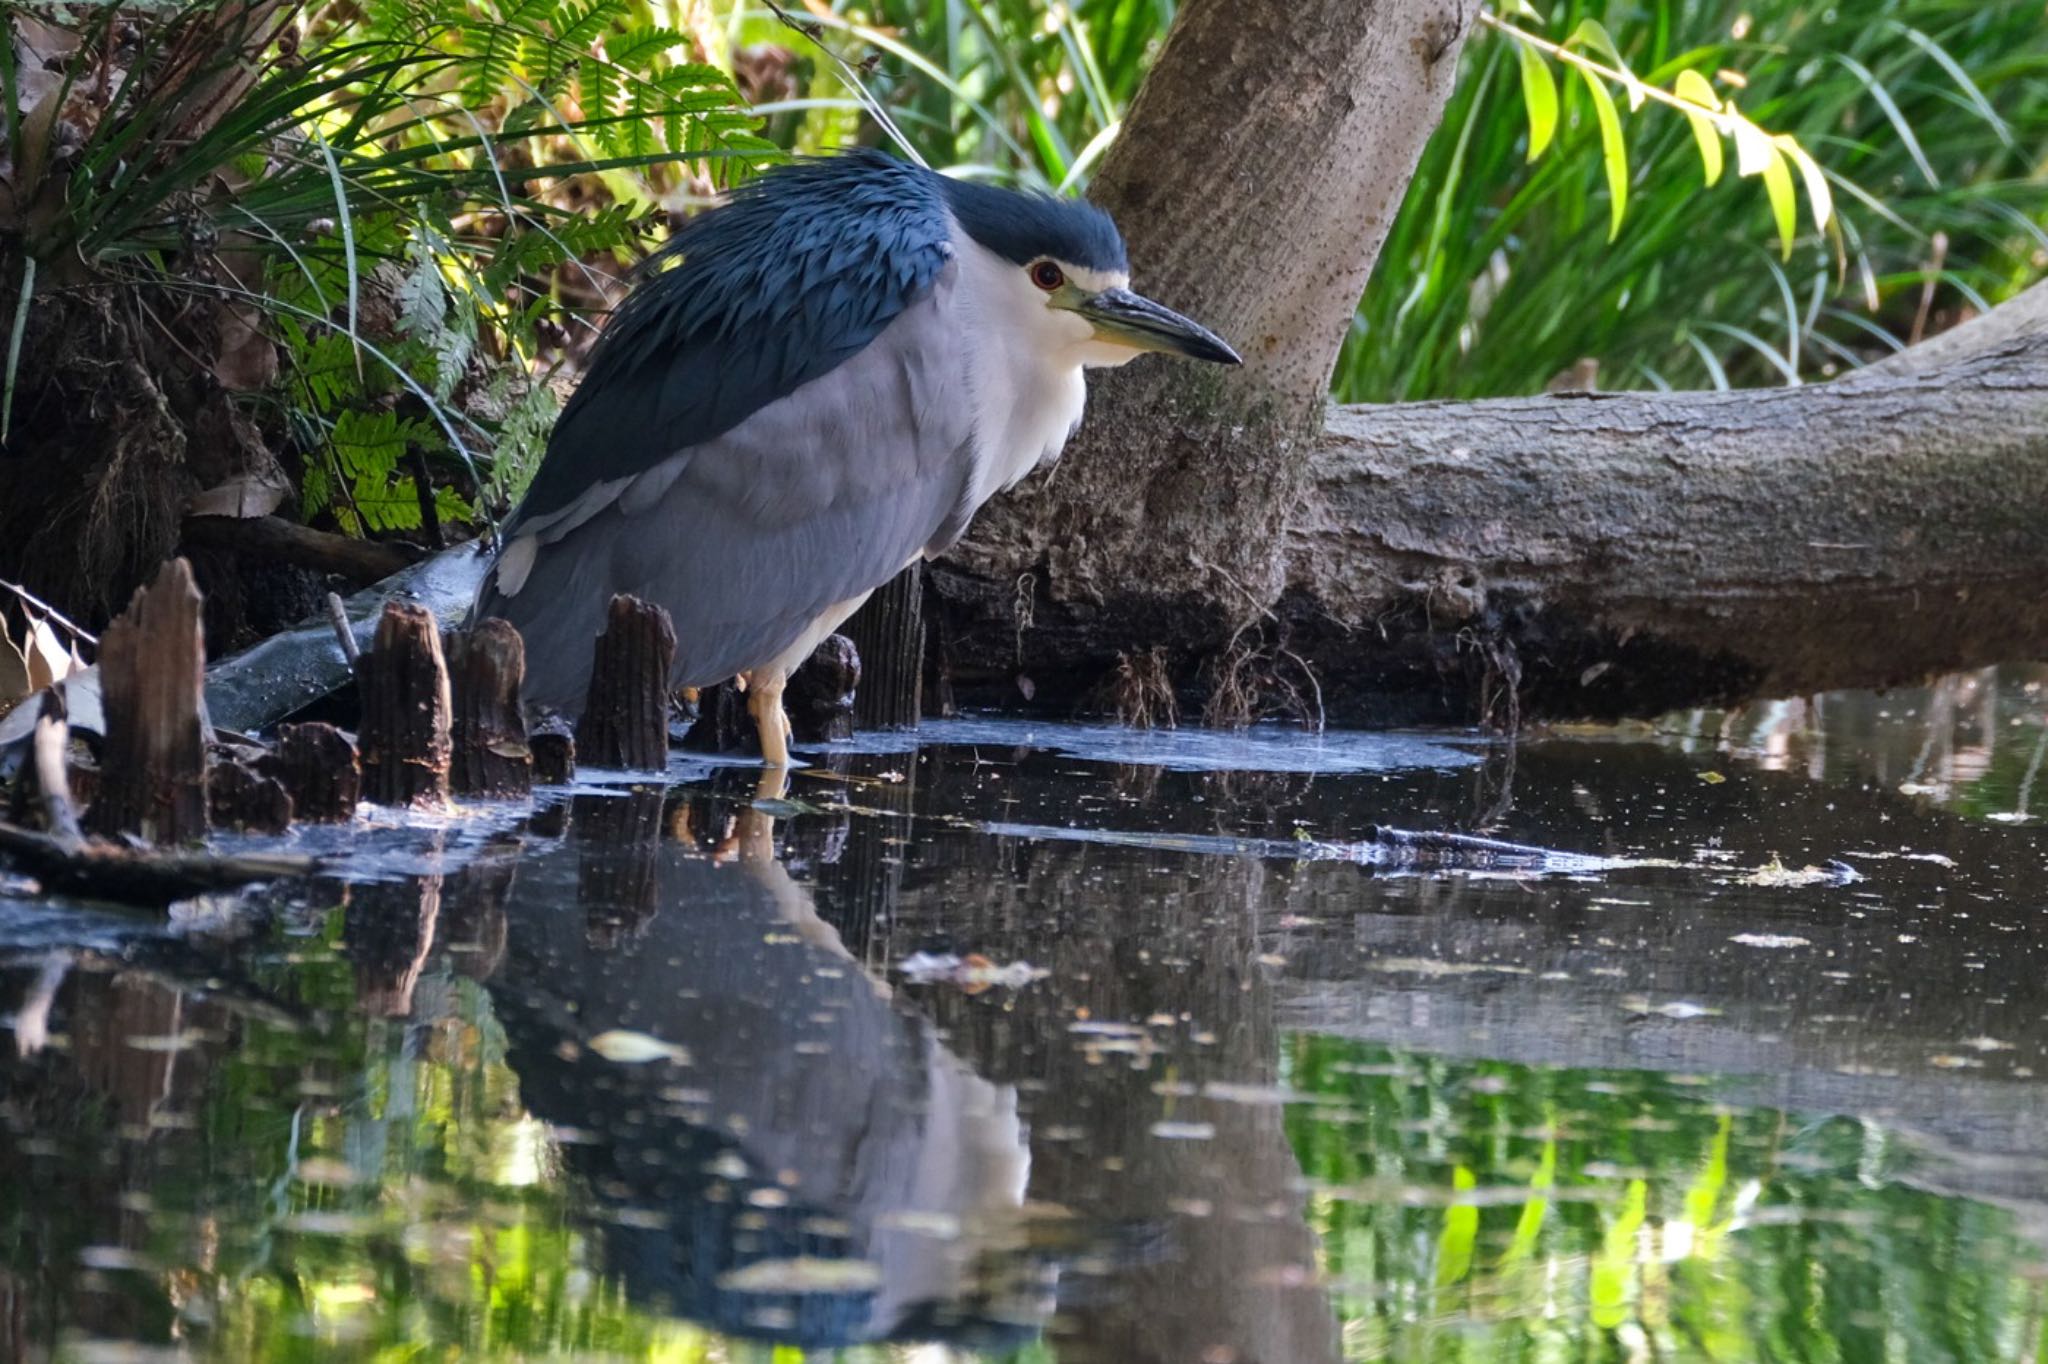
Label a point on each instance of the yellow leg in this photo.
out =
(764, 703)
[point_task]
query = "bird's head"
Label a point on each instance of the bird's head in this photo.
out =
(1058, 270)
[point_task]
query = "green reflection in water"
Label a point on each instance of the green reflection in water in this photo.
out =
(1493, 1212)
(235, 1188)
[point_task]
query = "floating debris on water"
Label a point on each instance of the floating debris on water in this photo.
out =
(971, 973)
(804, 1274)
(637, 1048)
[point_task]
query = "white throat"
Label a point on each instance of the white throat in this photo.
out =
(1024, 361)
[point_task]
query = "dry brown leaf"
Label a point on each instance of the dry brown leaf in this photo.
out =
(247, 361)
(13, 670)
(49, 661)
(253, 494)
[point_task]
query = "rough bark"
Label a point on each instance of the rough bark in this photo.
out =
(625, 713)
(485, 667)
(1254, 180)
(317, 766)
(404, 737)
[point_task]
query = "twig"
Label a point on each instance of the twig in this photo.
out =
(50, 612)
(337, 615)
(847, 72)
(1628, 81)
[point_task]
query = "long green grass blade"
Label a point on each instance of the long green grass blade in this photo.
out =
(15, 334)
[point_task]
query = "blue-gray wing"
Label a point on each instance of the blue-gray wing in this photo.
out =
(797, 273)
(748, 538)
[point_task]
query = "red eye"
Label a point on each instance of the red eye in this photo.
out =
(1047, 276)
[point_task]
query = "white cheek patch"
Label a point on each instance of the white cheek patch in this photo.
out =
(516, 563)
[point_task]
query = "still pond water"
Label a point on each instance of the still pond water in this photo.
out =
(1038, 1043)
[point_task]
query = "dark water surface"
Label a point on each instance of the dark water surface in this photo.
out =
(663, 1074)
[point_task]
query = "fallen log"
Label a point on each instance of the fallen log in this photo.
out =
(1578, 555)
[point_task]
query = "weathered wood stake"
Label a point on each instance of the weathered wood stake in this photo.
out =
(888, 634)
(404, 737)
(625, 712)
(152, 669)
(554, 753)
(242, 798)
(317, 766)
(485, 667)
(821, 694)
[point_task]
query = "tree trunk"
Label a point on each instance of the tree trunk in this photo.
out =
(1575, 555)
(1255, 178)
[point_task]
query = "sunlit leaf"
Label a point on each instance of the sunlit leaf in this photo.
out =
(1613, 150)
(1784, 200)
(1691, 85)
(1818, 196)
(1593, 34)
(1753, 149)
(1539, 97)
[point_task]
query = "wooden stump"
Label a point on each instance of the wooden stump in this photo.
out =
(404, 739)
(722, 724)
(625, 713)
(152, 670)
(316, 765)
(239, 797)
(820, 697)
(554, 753)
(485, 667)
(888, 636)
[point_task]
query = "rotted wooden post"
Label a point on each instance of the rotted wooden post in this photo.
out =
(625, 712)
(821, 696)
(318, 768)
(152, 669)
(241, 796)
(888, 635)
(554, 752)
(404, 736)
(485, 667)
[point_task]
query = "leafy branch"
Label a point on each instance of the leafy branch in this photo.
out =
(1771, 156)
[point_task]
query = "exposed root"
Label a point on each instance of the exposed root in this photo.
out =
(1141, 691)
(1253, 680)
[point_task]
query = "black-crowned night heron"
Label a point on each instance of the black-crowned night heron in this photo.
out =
(847, 359)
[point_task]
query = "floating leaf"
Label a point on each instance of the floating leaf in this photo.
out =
(1613, 151)
(1693, 87)
(804, 1274)
(1539, 96)
(636, 1048)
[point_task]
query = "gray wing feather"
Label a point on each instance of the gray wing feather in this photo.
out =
(815, 499)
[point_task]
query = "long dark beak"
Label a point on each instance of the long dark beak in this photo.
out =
(1136, 321)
